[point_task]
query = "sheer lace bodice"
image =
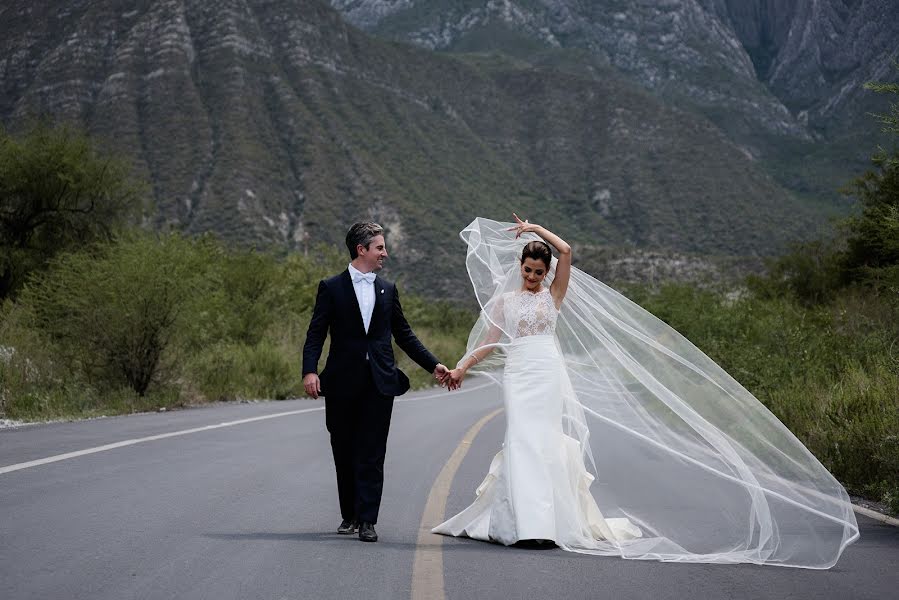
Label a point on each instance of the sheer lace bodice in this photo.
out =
(528, 314)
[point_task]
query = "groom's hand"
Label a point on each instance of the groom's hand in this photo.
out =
(312, 384)
(441, 374)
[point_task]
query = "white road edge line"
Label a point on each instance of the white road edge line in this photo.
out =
(161, 436)
(59, 457)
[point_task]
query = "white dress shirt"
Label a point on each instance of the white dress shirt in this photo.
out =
(365, 294)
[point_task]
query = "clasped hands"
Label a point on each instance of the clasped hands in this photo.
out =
(450, 379)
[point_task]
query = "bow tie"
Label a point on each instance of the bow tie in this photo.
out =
(366, 277)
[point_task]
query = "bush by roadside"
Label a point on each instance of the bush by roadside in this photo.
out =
(829, 372)
(146, 321)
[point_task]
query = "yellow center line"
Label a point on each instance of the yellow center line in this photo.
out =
(427, 566)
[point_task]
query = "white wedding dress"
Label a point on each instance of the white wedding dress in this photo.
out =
(538, 486)
(624, 439)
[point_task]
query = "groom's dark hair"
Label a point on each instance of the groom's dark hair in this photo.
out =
(361, 234)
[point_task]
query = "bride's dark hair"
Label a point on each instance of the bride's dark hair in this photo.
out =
(538, 250)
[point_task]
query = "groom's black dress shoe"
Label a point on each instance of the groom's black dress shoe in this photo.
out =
(367, 532)
(347, 527)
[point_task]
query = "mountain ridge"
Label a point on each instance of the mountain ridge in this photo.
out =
(810, 56)
(276, 123)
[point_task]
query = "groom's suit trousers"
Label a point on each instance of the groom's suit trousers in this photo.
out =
(359, 424)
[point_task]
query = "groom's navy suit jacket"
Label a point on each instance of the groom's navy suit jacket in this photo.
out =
(337, 310)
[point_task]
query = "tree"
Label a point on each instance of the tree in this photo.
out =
(116, 310)
(56, 193)
(872, 253)
(866, 248)
(890, 120)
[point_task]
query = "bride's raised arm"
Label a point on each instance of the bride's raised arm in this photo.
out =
(563, 267)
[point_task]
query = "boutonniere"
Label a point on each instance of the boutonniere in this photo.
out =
(382, 290)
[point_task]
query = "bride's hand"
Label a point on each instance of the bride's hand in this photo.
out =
(455, 379)
(522, 226)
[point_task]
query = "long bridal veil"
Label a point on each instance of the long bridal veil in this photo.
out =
(676, 445)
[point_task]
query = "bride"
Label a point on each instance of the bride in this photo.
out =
(622, 438)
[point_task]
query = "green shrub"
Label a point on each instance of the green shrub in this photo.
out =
(851, 423)
(812, 272)
(829, 372)
(872, 255)
(32, 380)
(115, 311)
(230, 370)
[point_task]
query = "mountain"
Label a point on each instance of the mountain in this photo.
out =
(780, 78)
(676, 47)
(275, 122)
(782, 64)
(815, 55)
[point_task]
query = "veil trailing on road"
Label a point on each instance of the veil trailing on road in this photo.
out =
(676, 445)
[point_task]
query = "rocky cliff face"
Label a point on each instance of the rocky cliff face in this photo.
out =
(791, 67)
(815, 55)
(274, 122)
(212, 100)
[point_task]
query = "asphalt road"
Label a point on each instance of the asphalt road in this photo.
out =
(248, 510)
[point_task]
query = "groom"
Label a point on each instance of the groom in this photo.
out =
(360, 379)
